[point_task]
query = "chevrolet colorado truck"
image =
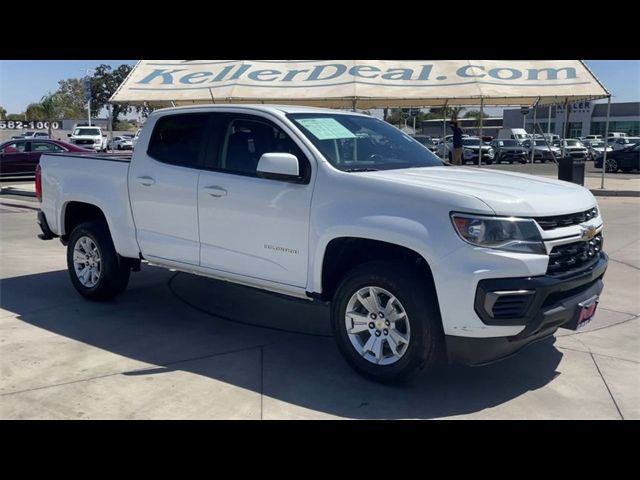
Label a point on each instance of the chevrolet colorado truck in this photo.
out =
(420, 261)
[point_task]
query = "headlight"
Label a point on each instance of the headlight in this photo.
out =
(97, 141)
(491, 152)
(502, 233)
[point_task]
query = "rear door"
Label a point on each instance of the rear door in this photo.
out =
(163, 185)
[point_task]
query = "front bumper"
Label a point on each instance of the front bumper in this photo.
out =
(553, 304)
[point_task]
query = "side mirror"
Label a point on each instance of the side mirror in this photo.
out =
(68, 134)
(279, 166)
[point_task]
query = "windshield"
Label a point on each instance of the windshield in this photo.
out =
(573, 143)
(510, 143)
(356, 143)
(596, 144)
(470, 142)
(86, 131)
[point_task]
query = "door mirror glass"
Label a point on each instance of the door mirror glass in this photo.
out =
(279, 166)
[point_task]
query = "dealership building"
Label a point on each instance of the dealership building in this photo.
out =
(585, 118)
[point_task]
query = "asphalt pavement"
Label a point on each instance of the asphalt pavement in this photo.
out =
(178, 346)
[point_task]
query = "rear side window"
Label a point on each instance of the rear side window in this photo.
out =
(15, 147)
(178, 139)
(42, 147)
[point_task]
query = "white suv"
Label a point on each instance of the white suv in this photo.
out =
(89, 137)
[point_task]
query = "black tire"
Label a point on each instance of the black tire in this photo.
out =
(450, 158)
(115, 270)
(119, 147)
(426, 340)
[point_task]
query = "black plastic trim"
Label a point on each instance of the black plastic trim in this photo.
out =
(46, 234)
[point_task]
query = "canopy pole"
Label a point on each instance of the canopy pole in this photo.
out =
(533, 134)
(606, 141)
(565, 127)
(444, 130)
(549, 123)
(111, 124)
(480, 132)
(354, 104)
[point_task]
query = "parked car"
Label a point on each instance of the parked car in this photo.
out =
(593, 137)
(620, 143)
(616, 134)
(573, 148)
(35, 135)
(419, 261)
(595, 148)
(519, 134)
(20, 157)
(471, 151)
(446, 147)
(509, 151)
(120, 143)
(89, 137)
(427, 142)
(627, 159)
(541, 151)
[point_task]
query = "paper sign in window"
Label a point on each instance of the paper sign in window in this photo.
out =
(326, 128)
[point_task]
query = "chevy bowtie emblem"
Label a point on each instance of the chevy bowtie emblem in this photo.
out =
(588, 232)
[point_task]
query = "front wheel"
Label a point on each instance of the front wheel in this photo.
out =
(97, 271)
(386, 327)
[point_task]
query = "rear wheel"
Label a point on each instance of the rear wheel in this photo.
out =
(97, 271)
(612, 165)
(385, 326)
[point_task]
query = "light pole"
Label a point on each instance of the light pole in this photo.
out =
(87, 91)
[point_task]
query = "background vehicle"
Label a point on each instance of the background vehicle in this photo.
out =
(595, 148)
(120, 143)
(627, 159)
(509, 151)
(573, 148)
(446, 147)
(620, 143)
(541, 152)
(89, 137)
(427, 142)
(20, 157)
(471, 151)
(593, 137)
(519, 134)
(616, 134)
(420, 261)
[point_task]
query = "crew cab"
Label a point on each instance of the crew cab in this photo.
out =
(418, 260)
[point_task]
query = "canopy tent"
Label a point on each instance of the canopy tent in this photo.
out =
(364, 84)
(360, 84)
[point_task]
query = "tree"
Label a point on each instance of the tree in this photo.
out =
(71, 95)
(104, 83)
(52, 108)
(476, 114)
(34, 112)
(446, 112)
(3, 113)
(15, 116)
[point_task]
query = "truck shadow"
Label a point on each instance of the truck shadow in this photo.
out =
(187, 323)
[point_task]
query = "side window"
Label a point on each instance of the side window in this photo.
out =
(178, 139)
(41, 147)
(246, 140)
(15, 147)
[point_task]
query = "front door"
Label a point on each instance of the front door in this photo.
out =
(14, 159)
(253, 226)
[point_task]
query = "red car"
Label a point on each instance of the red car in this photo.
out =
(19, 157)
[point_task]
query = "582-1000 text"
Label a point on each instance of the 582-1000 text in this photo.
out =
(19, 124)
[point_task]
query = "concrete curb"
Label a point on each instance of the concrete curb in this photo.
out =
(599, 192)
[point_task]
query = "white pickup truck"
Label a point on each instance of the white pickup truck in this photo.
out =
(90, 137)
(420, 261)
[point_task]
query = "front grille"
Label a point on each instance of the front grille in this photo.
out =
(560, 221)
(575, 256)
(84, 142)
(510, 306)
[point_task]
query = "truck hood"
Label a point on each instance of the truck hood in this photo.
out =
(506, 193)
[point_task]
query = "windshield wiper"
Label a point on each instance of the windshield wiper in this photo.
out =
(361, 169)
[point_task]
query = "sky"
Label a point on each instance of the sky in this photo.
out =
(26, 81)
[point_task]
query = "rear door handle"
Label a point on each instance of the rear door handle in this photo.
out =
(146, 181)
(216, 191)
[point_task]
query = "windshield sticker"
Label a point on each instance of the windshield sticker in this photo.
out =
(325, 128)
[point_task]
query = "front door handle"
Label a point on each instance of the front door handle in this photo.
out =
(146, 181)
(216, 191)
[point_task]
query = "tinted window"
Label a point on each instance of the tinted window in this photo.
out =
(247, 140)
(15, 147)
(86, 131)
(177, 139)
